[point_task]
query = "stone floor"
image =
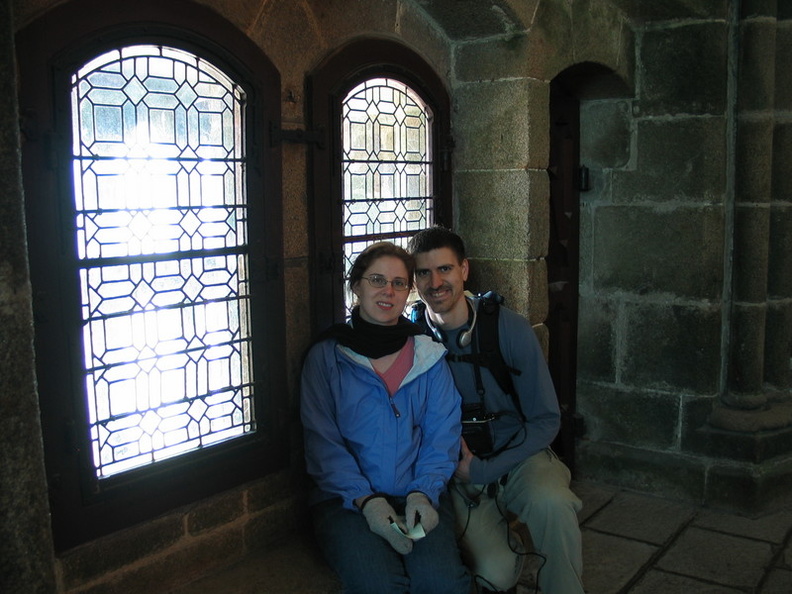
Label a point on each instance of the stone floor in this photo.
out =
(632, 543)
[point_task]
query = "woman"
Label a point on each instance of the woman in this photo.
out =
(382, 426)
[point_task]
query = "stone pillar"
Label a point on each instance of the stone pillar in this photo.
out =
(759, 345)
(26, 554)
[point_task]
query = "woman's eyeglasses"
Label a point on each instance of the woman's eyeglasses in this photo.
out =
(380, 282)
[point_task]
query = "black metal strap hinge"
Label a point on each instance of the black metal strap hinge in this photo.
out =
(278, 135)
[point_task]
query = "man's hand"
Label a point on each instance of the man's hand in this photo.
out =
(463, 467)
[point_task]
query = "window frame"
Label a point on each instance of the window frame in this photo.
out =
(328, 85)
(49, 50)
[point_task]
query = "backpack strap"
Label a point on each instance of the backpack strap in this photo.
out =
(486, 346)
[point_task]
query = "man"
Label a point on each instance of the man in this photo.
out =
(513, 468)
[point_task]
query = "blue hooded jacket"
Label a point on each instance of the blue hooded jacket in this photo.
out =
(359, 440)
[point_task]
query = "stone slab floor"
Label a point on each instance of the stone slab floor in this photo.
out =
(632, 544)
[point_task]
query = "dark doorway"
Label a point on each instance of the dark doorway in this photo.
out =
(563, 261)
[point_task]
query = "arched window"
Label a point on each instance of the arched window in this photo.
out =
(384, 172)
(387, 165)
(155, 209)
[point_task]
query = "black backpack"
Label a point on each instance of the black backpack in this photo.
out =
(486, 351)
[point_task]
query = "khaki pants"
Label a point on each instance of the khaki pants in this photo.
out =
(537, 492)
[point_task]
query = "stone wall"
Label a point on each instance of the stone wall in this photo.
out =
(685, 291)
(684, 337)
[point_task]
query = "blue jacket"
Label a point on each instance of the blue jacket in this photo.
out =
(359, 440)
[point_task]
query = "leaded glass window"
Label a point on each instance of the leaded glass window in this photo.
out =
(160, 224)
(387, 166)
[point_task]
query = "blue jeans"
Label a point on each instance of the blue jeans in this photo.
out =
(367, 564)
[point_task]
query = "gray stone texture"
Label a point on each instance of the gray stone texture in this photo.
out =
(719, 558)
(675, 475)
(672, 347)
(683, 69)
(754, 161)
(782, 162)
(501, 213)
(678, 159)
(783, 57)
(510, 127)
(618, 561)
(750, 257)
(644, 518)
(605, 133)
(747, 343)
(756, 90)
(673, 10)
(649, 251)
(26, 555)
(778, 345)
(597, 338)
(779, 281)
(631, 417)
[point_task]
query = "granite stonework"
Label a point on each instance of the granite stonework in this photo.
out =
(685, 292)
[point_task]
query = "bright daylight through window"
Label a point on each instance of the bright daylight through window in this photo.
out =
(387, 168)
(161, 233)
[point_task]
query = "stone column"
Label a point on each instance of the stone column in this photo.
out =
(26, 554)
(756, 327)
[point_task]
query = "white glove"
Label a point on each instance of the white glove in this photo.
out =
(419, 508)
(379, 514)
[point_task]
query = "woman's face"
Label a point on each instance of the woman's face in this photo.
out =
(382, 306)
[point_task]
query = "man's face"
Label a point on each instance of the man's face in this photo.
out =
(440, 279)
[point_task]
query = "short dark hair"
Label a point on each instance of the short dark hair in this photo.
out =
(376, 251)
(435, 238)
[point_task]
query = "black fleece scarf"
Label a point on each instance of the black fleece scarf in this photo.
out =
(372, 340)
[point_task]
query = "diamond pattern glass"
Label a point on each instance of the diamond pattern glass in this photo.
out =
(387, 166)
(161, 236)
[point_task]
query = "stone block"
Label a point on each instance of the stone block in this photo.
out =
(678, 159)
(468, 19)
(648, 251)
(610, 562)
(667, 474)
(164, 573)
(672, 347)
(111, 553)
(501, 125)
(522, 283)
(779, 265)
(596, 348)
(750, 488)
(683, 69)
(602, 34)
(754, 161)
(271, 526)
(268, 492)
(746, 348)
(782, 162)
(605, 134)
(783, 56)
(504, 214)
(215, 512)
(662, 10)
(744, 447)
(637, 418)
(778, 345)
(718, 558)
(756, 83)
(758, 8)
(644, 518)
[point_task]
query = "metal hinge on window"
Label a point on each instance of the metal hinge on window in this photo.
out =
(279, 135)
